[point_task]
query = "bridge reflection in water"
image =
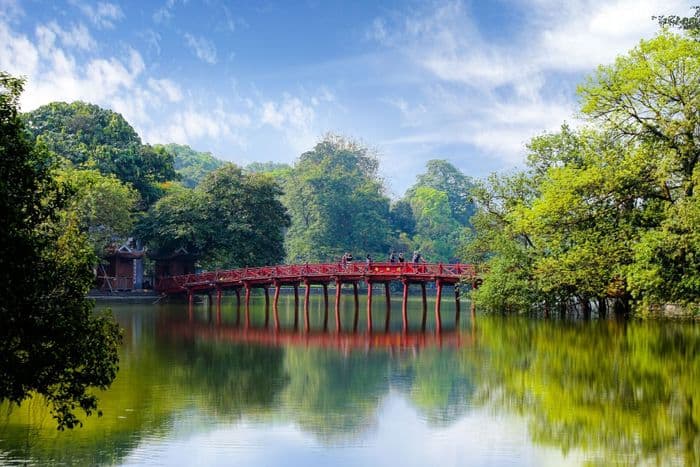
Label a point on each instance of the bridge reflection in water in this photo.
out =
(322, 275)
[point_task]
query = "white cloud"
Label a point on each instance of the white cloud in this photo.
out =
(167, 88)
(77, 37)
(496, 95)
(203, 48)
(101, 14)
(165, 12)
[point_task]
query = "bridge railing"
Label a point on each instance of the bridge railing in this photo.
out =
(329, 270)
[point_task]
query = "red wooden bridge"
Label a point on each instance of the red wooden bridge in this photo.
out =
(323, 275)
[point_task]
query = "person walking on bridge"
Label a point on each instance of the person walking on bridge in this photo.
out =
(369, 262)
(392, 257)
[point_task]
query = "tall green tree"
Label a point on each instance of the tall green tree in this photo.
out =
(50, 342)
(230, 219)
(336, 201)
(609, 211)
(102, 205)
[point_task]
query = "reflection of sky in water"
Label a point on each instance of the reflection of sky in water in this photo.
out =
(400, 437)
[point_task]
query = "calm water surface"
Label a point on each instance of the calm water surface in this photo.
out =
(200, 389)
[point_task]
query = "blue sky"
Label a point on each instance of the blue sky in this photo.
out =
(467, 81)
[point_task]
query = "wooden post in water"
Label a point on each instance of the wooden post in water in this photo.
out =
(404, 306)
(325, 306)
(338, 291)
(369, 306)
(275, 301)
(357, 307)
(387, 293)
(425, 306)
(438, 298)
(307, 291)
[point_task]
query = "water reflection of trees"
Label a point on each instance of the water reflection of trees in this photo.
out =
(619, 392)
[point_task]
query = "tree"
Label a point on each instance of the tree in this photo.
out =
(443, 176)
(191, 165)
(608, 211)
(229, 220)
(83, 133)
(441, 207)
(50, 342)
(690, 24)
(337, 203)
(102, 205)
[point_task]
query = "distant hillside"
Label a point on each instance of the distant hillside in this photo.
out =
(190, 164)
(89, 135)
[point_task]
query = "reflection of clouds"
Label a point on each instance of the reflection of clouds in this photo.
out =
(401, 437)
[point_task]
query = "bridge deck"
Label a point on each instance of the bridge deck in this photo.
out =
(323, 273)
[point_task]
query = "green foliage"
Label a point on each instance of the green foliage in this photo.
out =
(229, 220)
(443, 176)
(191, 165)
(610, 211)
(50, 342)
(102, 205)
(336, 202)
(433, 214)
(690, 24)
(85, 133)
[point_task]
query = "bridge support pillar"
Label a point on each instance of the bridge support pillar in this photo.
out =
(369, 306)
(357, 307)
(404, 306)
(438, 299)
(307, 292)
(325, 307)
(387, 294)
(338, 291)
(274, 306)
(425, 306)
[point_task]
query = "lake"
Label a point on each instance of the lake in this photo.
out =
(201, 388)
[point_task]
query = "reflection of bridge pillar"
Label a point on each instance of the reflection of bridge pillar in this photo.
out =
(274, 305)
(369, 306)
(218, 305)
(325, 306)
(307, 291)
(404, 306)
(457, 306)
(247, 305)
(267, 305)
(296, 306)
(238, 306)
(425, 306)
(438, 298)
(338, 290)
(387, 293)
(357, 307)
(190, 302)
